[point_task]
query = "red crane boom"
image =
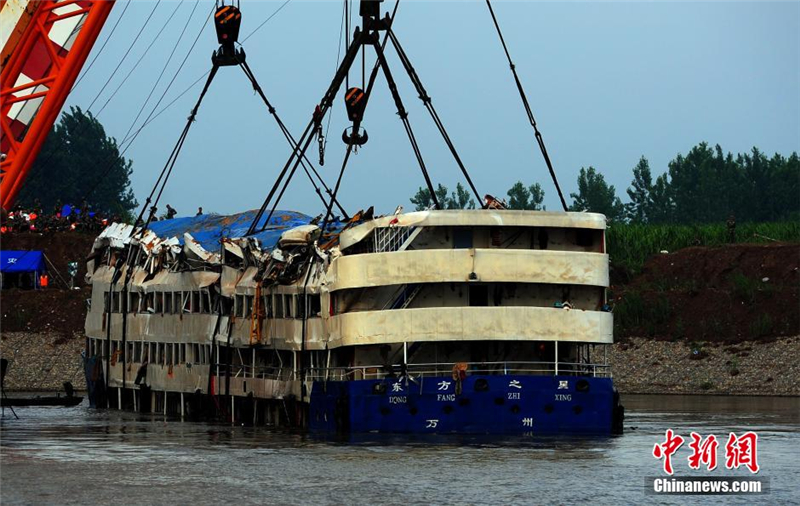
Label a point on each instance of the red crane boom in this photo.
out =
(46, 44)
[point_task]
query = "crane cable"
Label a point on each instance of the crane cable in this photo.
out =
(127, 52)
(141, 57)
(163, 70)
(325, 106)
(528, 111)
(324, 142)
(82, 129)
(128, 141)
(100, 51)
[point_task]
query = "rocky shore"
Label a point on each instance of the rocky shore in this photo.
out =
(43, 361)
(646, 366)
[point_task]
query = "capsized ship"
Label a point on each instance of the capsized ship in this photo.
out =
(464, 321)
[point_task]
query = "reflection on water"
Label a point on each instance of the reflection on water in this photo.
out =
(79, 455)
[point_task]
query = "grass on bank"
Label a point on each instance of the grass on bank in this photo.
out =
(629, 245)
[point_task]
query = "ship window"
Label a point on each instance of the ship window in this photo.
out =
(201, 354)
(543, 238)
(195, 307)
(106, 301)
(168, 302)
(159, 296)
(115, 302)
(130, 353)
(279, 306)
(134, 304)
(288, 306)
(268, 306)
(248, 306)
(168, 355)
(478, 295)
(150, 302)
(205, 302)
(239, 306)
(584, 238)
(209, 358)
(462, 238)
(182, 354)
(301, 306)
(315, 304)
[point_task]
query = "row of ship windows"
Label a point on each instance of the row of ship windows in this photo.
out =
(277, 305)
(160, 302)
(154, 353)
(200, 302)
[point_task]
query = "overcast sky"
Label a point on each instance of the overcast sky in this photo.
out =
(608, 82)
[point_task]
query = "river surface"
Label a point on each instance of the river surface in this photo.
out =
(85, 456)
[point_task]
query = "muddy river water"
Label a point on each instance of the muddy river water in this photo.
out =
(85, 456)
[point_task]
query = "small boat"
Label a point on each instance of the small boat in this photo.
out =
(68, 400)
(49, 400)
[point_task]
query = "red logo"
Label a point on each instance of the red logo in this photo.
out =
(703, 451)
(667, 449)
(740, 451)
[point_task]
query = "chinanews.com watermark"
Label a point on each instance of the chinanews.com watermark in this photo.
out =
(740, 453)
(705, 486)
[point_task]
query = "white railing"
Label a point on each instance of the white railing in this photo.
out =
(392, 238)
(475, 368)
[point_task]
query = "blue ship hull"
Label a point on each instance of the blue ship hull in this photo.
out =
(498, 404)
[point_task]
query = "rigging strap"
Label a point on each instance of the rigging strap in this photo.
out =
(426, 100)
(308, 134)
(290, 139)
(528, 111)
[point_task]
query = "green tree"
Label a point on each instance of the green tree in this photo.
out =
(459, 199)
(638, 210)
(596, 196)
(79, 161)
(662, 209)
(530, 198)
(707, 185)
(422, 199)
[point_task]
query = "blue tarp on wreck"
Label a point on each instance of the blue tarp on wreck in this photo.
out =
(209, 229)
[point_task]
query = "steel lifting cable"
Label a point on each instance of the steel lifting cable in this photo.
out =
(126, 141)
(127, 52)
(528, 110)
(167, 170)
(426, 100)
(141, 57)
(306, 138)
(257, 87)
(153, 115)
(163, 71)
(338, 58)
(100, 51)
(82, 130)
